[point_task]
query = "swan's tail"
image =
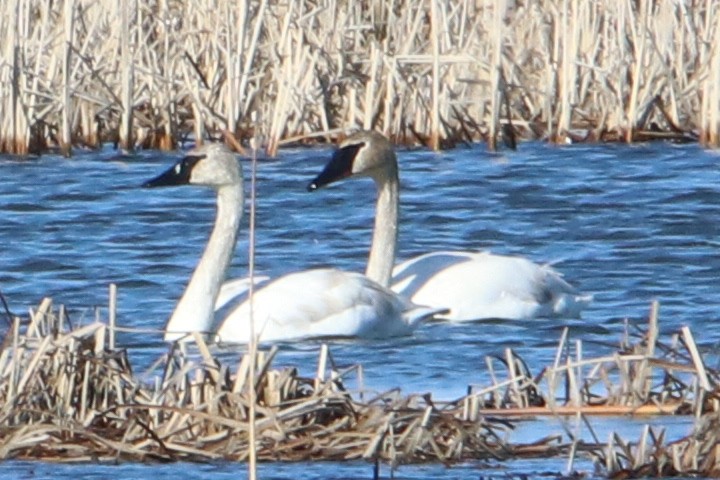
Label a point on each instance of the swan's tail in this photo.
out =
(565, 298)
(571, 305)
(418, 314)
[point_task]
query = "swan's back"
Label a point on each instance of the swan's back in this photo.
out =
(482, 285)
(322, 303)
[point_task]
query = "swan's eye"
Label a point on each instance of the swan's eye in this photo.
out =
(349, 153)
(189, 162)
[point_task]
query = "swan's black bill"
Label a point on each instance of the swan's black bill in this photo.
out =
(178, 174)
(339, 167)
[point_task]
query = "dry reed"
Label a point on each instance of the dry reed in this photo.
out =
(150, 74)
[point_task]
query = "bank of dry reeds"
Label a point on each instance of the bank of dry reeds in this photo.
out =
(67, 394)
(67, 397)
(653, 456)
(646, 375)
(148, 74)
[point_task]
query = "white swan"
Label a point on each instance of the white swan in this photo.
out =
(472, 285)
(313, 303)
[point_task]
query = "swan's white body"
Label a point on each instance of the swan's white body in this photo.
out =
(472, 286)
(314, 303)
(482, 285)
(323, 303)
(232, 290)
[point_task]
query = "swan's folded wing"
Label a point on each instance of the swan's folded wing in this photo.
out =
(409, 276)
(320, 303)
(235, 288)
(483, 285)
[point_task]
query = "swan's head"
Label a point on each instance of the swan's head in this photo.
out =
(212, 165)
(363, 154)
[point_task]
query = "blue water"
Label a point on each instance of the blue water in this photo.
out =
(629, 224)
(279, 471)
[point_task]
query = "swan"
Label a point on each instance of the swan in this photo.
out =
(306, 304)
(471, 285)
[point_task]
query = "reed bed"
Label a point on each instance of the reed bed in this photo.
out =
(696, 455)
(67, 397)
(645, 376)
(77, 73)
(653, 455)
(67, 394)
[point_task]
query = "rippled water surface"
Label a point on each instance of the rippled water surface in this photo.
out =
(629, 224)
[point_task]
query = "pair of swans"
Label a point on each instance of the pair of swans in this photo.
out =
(387, 301)
(313, 303)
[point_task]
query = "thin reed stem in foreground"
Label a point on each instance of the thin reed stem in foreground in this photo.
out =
(252, 351)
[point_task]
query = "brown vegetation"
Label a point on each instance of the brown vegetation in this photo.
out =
(149, 74)
(644, 377)
(66, 396)
(69, 395)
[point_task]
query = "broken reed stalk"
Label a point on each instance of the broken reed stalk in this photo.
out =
(710, 131)
(13, 137)
(639, 34)
(66, 138)
(568, 38)
(496, 68)
(112, 315)
(435, 25)
(126, 10)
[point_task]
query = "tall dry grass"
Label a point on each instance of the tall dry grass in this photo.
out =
(148, 74)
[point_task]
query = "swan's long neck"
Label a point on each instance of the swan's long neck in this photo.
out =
(195, 310)
(384, 242)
